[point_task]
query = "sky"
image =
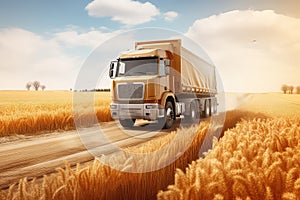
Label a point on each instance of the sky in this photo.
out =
(254, 44)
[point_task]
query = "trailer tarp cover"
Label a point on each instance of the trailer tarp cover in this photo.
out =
(196, 72)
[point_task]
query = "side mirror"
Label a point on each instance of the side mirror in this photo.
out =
(113, 69)
(121, 68)
(167, 70)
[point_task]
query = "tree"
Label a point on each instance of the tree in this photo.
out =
(290, 89)
(298, 89)
(43, 87)
(36, 85)
(284, 88)
(28, 85)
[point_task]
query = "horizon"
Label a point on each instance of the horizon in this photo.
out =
(86, 90)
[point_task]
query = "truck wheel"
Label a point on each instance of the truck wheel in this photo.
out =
(194, 114)
(214, 107)
(207, 108)
(127, 123)
(168, 120)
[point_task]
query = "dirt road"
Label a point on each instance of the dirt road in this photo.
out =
(36, 156)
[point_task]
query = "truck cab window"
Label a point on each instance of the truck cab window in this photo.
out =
(162, 67)
(139, 66)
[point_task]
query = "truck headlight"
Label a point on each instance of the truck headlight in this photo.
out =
(113, 106)
(152, 106)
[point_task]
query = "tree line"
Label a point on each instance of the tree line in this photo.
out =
(289, 89)
(35, 85)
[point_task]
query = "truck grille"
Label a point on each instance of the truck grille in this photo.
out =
(131, 91)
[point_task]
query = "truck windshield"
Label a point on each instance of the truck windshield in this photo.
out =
(138, 66)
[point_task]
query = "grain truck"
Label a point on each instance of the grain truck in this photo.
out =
(160, 81)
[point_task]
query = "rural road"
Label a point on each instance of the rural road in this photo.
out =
(36, 156)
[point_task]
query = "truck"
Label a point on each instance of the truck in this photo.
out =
(161, 81)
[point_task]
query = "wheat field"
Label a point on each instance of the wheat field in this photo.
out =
(98, 181)
(258, 157)
(32, 112)
(255, 159)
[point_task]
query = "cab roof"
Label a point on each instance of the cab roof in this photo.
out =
(140, 53)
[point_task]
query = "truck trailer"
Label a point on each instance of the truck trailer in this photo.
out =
(159, 81)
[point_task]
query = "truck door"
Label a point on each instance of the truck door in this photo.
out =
(163, 80)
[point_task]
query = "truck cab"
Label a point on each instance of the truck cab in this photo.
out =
(140, 79)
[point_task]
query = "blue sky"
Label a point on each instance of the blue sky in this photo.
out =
(43, 39)
(49, 16)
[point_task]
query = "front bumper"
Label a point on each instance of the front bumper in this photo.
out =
(149, 111)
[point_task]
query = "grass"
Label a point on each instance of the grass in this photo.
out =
(34, 112)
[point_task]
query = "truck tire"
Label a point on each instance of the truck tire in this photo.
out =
(127, 123)
(168, 119)
(194, 114)
(207, 108)
(195, 111)
(169, 115)
(214, 107)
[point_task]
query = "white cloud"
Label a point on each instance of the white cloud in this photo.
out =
(254, 50)
(26, 56)
(90, 38)
(55, 62)
(127, 12)
(170, 16)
